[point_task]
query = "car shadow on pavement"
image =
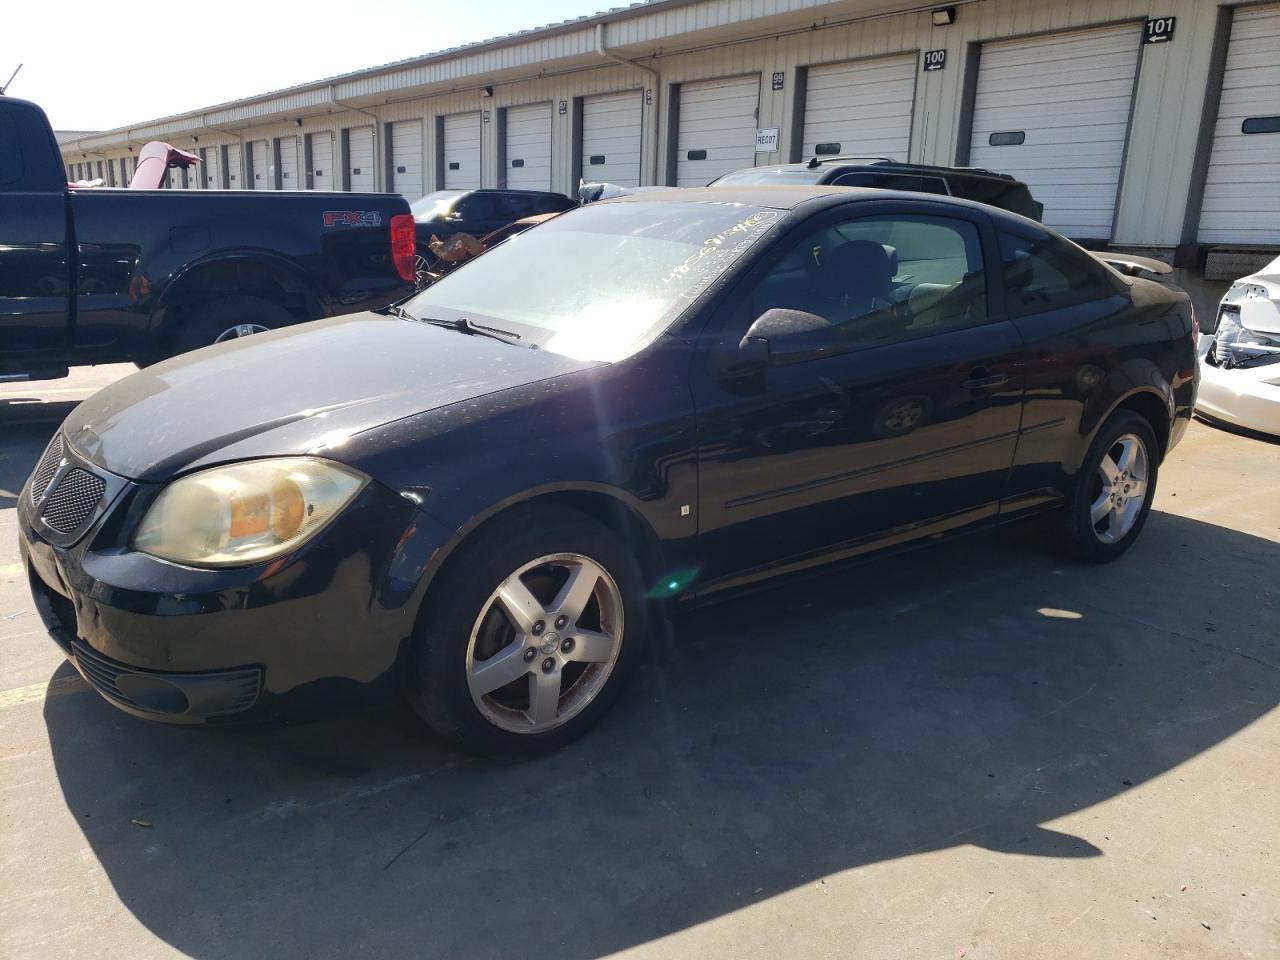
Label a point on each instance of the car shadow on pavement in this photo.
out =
(966, 695)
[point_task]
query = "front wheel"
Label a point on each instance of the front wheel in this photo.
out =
(1113, 490)
(530, 635)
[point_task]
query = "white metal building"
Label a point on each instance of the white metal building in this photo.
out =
(1135, 122)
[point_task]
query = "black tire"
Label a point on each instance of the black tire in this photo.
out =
(1073, 526)
(209, 322)
(437, 682)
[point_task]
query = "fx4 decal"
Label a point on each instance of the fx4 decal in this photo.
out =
(355, 218)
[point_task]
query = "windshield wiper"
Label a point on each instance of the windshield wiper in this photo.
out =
(463, 325)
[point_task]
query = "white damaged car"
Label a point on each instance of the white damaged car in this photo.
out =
(1240, 361)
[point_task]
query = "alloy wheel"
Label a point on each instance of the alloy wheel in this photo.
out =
(1120, 489)
(545, 643)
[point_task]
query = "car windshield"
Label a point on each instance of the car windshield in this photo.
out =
(599, 282)
(434, 204)
(768, 175)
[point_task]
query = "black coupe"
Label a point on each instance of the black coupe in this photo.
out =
(493, 493)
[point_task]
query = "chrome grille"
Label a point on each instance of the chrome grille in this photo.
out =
(47, 467)
(73, 500)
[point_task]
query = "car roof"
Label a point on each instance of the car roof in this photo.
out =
(791, 196)
(780, 196)
(839, 162)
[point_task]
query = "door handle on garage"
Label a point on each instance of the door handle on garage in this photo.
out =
(981, 380)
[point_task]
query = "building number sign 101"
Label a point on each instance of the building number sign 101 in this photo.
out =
(1159, 30)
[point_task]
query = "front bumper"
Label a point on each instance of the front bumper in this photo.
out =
(184, 645)
(1246, 397)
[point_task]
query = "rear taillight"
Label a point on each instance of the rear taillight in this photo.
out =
(403, 245)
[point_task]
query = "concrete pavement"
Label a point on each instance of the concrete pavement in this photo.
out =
(976, 751)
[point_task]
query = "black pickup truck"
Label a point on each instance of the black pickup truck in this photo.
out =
(97, 275)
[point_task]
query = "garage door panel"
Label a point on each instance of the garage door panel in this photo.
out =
(462, 151)
(1071, 95)
(406, 159)
(611, 129)
(361, 156)
(1241, 202)
(233, 167)
(717, 125)
(261, 153)
(528, 147)
(212, 169)
(289, 164)
(321, 173)
(863, 106)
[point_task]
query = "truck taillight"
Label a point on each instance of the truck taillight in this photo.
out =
(403, 245)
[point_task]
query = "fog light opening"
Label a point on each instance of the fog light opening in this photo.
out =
(152, 693)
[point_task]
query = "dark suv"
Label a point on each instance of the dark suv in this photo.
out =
(968, 183)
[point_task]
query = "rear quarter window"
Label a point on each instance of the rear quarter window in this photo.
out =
(1043, 273)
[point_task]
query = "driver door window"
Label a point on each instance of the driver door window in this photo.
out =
(880, 280)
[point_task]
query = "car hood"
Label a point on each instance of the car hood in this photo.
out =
(305, 389)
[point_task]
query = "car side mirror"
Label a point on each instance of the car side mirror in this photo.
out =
(788, 336)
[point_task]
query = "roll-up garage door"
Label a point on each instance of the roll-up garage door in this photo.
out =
(1054, 112)
(289, 164)
(360, 144)
(1242, 191)
(319, 155)
(406, 159)
(212, 168)
(462, 151)
(717, 129)
(529, 147)
(259, 165)
(234, 179)
(860, 109)
(611, 126)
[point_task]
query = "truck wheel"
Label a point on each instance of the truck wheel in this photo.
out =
(229, 319)
(521, 647)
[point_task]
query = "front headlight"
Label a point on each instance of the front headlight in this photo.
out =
(245, 513)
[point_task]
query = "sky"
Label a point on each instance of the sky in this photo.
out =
(84, 62)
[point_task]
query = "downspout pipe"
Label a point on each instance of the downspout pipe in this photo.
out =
(650, 174)
(204, 123)
(377, 123)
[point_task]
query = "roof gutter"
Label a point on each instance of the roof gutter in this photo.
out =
(377, 122)
(649, 176)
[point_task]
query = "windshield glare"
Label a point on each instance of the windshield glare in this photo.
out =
(599, 282)
(434, 204)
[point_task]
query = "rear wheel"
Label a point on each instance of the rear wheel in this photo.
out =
(230, 318)
(1113, 491)
(530, 635)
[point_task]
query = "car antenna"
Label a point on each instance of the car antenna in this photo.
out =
(10, 80)
(813, 162)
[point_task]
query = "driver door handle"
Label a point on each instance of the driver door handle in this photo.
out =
(981, 380)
